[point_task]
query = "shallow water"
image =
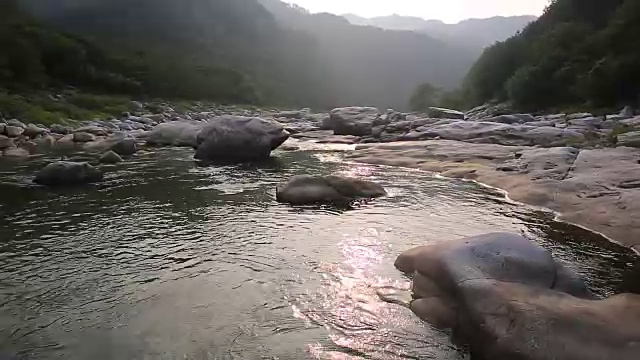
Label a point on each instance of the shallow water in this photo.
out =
(168, 261)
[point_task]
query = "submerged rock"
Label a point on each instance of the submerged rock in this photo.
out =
(16, 152)
(68, 173)
(306, 189)
(509, 299)
(238, 139)
(110, 157)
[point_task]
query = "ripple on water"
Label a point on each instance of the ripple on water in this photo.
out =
(169, 260)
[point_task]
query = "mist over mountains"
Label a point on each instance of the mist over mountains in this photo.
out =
(473, 33)
(283, 54)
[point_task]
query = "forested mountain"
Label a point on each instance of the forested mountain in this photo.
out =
(579, 53)
(472, 33)
(293, 58)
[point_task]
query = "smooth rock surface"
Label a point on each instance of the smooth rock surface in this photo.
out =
(238, 139)
(68, 173)
(304, 189)
(507, 298)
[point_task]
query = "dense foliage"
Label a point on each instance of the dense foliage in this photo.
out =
(579, 53)
(36, 57)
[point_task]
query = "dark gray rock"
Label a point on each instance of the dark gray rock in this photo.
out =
(110, 157)
(59, 129)
(238, 139)
(68, 173)
(124, 146)
(305, 189)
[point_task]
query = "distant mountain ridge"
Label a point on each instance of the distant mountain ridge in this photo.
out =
(478, 33)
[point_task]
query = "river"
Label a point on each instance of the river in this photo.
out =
(167, 260)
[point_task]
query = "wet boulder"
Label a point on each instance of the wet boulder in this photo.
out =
(508, 298)
(68, 173)
(110, 157)
(307, 189)
(236, 139)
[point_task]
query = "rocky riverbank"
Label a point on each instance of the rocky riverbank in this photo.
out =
(583, 166)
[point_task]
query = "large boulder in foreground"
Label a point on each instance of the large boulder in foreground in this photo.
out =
(507, 298)
(231, 139)
(306, 189)
(68, 173)
(357, 121)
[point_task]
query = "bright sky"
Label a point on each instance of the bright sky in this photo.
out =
(449, 11)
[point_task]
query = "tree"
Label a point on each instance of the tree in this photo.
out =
(425, 96)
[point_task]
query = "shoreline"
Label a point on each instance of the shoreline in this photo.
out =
(472, 162)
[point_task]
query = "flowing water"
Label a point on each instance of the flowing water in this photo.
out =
(170, 261)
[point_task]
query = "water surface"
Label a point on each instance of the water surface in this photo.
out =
(171, 261)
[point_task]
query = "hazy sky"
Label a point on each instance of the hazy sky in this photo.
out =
(446, 10)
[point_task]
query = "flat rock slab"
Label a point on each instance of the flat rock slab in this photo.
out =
(598, 189)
